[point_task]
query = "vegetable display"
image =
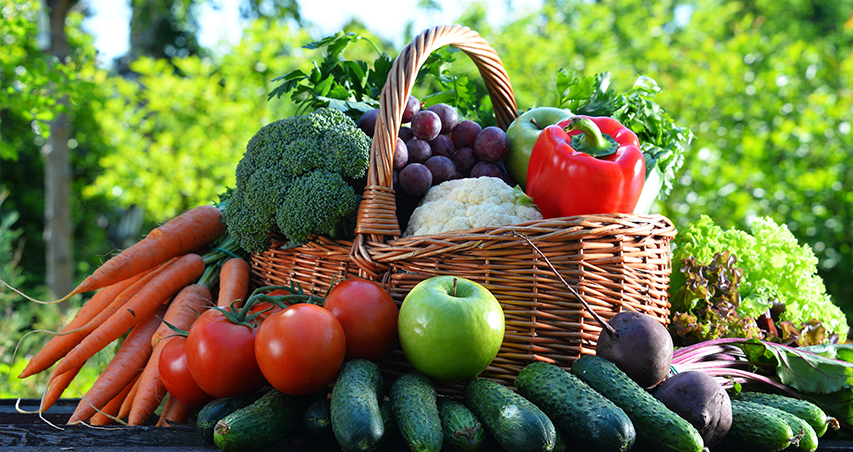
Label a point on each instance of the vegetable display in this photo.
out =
(752, 359)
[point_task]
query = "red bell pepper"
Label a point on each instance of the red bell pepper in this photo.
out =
(586, 165)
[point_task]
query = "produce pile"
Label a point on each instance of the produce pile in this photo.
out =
(750, 360)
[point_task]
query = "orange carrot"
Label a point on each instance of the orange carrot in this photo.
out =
(128, 361)
(174, 412)
(188, 304)
(185, 233)
(112, 407)
(151, 390)
(60, 345)
(233, 282)
(124, 411)
(56, 385)
(177, 275)
(100, 301)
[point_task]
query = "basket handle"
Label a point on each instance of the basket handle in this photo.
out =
(377, 212)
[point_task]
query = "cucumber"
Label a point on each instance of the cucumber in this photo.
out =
(264, 423)
(415, 408)
(657, 427)
(217, 409)
(803, 409)
(463, 432)
(756, 430)
(317, 422)
(589, 418)
(356, 420)
(515, 422)
(392, 440)
(806, 436)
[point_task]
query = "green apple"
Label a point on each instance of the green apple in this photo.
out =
(450, 328)
(522, 134)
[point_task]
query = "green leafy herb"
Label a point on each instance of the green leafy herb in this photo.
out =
(776, 270)
(352, 87)
(662, 141)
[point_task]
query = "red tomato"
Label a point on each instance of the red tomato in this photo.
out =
(369, 317)
(176, 376)
(300, 349)
(221, 356)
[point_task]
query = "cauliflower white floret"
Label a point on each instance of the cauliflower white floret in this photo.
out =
(471, 203)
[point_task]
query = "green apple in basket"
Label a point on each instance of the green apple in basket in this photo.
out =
(450, 328)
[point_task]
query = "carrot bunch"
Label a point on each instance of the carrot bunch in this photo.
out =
(159, 284)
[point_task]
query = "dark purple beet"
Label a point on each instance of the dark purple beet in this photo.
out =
(701, 400)
(639, 345)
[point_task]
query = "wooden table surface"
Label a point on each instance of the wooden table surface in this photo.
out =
(21, 432)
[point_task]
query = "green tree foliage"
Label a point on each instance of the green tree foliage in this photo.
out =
(179, 128)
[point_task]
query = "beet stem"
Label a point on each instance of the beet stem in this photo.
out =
(610, 330)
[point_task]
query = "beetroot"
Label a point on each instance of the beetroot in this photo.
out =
(700, 400)
(639, 345)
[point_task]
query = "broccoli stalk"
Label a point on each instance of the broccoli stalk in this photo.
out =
(298, 177)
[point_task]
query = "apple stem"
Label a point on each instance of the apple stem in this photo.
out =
(454, 285)
(610, 330)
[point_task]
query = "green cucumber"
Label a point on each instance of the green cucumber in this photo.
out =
(757, 430)
(392, 440)
(264, 423)
(463, 432)
(807, 438)
(317, 422)
(217, 409)
(356, 419)
(803, 409)
(515, 422)
(415, 408)
(589, 418)
(657, 427)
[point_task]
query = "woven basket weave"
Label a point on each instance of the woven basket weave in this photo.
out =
(614, 261)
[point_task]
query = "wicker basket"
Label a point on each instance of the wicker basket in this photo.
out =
(615, 261)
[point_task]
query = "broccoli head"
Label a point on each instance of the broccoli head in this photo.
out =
(315, 203)
(291, 164)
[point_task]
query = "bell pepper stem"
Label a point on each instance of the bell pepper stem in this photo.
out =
(590, 141)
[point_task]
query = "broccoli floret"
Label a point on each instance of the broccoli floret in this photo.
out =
(315, 203)
(277, 170)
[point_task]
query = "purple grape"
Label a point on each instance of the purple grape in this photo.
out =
(426, 125)
(415, 179)
(491, 144)
(419, 151)
(482, 169)
(413, 105)
(464, 134)
(367, 121)
(441, 167)
(442, 145)
(405, 134)
(401, 154)
(448, 115)
(465, 159)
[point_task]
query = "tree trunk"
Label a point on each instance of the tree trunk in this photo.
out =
(58, 226)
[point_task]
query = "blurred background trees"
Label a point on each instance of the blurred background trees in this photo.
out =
(764, 86)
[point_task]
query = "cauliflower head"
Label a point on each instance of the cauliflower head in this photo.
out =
(471, 203)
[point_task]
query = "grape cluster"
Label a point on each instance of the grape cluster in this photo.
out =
(434, 146)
